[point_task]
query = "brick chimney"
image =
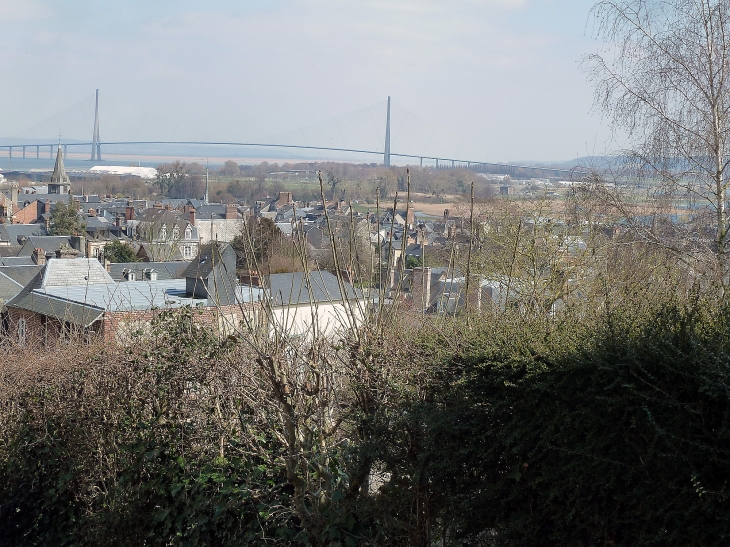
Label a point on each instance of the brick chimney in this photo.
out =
(191, 212)
(92, 212)
(39, 256)
(410, 216)
(117, 221)
(14, 195)
(66, 252)
(231, 212)
(47, 208)
(421, 288)
(129, 213)
(285, 198)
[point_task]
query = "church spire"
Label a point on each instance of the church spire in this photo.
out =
(59, 175)
(60, 182)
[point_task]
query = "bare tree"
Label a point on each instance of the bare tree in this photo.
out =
(663, 79)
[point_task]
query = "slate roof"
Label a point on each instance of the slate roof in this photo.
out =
(84, 304)
(205, 211)
(165, 270)
(49, 244)
(21, 274)
(95, 223)
(59, 175)
(64, 310)
(16, 261)
(294, 288)
(74, 271)
(14, 233)
(8, 289)
(156, 251)
(9, 250)
(208, 256)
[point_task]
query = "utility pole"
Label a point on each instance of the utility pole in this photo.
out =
(95, 146)
(207, 187)
(386, 155)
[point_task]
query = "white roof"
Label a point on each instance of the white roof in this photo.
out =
(143, 172)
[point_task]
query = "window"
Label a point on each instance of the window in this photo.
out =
(176, 233)
(187, 251)
(188, 232)
(22, 331)
(163, 232)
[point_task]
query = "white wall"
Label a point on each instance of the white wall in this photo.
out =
(223, 230)
(331, 318)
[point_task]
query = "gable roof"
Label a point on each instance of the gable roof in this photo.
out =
(294, 288)
(60, 272)
(14, 233)
(208, 257)
(49, 244)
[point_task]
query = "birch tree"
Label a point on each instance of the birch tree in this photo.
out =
(662, 78)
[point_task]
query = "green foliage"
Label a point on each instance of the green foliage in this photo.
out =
(170, 176)
(66, 221)
(561, 434)
(119, 251)
(413, 261)
(611, 430)
(133, 467)
(259, 240)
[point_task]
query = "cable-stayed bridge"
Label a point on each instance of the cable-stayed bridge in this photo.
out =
(24, 150)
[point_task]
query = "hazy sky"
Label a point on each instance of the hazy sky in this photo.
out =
(490, 80)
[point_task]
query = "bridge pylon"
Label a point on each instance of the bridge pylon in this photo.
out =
(95, 145)
(386, 155)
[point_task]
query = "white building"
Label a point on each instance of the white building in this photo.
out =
(310, 306)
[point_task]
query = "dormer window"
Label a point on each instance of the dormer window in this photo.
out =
(163, 232)
(176, 232)
(188, 233)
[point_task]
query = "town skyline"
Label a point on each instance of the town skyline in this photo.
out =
(496, 80)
